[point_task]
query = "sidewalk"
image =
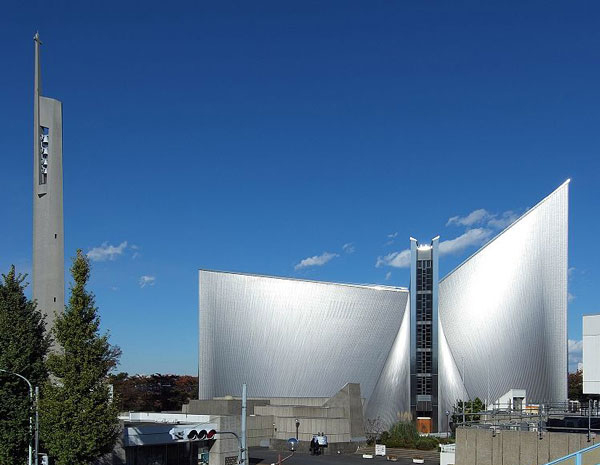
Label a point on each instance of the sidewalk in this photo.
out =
(430, 456)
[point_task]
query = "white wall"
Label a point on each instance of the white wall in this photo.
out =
(591, 354)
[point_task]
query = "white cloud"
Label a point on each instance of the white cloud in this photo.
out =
(575, 346)
(480, 216)
(388, 275)
(475, 217)
(349, 247)
(575, 354)
(502, 221)
(571, 272)
(106, 252)
(317, 260)
(473, 237)
(147, 280)
(395, 259)
(570, 297)
(136, 251)
(391, 238)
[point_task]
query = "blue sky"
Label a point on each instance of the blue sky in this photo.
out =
(250, 136)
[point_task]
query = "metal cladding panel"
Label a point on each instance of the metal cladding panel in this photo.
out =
(286, 337)
(504, 310)
(390, 400)
(450, 383)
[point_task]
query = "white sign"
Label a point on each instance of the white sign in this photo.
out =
(380, 449)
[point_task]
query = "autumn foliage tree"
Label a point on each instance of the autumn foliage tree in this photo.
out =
(153, 393)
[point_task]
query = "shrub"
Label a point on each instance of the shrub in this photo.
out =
(427, 443)
(402, 434)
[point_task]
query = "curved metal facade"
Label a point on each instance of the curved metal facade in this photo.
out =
(504, 310)
(502, 322)
(286, 337)
(391, 397)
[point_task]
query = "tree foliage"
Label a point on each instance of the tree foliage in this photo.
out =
(471, 409)
(373, 429)
(154, 393)
(78, 422)
(23, 346)
(575, 386)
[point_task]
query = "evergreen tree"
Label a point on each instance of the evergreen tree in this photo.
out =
(78, 422)
(23, 346)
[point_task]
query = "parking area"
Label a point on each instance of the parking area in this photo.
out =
(263, 456)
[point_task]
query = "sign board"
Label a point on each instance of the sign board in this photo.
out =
(231, 460)
(380, 449)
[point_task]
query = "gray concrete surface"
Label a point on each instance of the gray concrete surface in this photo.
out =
(481, 447)
(261, 456)
(48, 228)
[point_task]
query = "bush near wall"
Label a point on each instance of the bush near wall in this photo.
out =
(404, 435)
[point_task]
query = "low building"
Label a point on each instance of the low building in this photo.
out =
(146, 436)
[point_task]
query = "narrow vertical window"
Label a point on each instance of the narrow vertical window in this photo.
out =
(43, 158)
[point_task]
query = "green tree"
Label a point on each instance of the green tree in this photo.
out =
(23, 346)
(78, 422)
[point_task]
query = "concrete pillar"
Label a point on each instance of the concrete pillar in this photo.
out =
(484, 447)
(559, 445)
(543, 449)
(528, 447)
(471, 458)
(510, 448)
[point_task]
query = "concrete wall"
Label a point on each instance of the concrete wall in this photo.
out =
(260, 429)
(220, 406)
(309, 401)
(350, 400)
(299, 411)
(226, 446)
(480, 447)
(336, 429)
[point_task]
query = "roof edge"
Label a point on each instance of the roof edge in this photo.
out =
(381, 287)
(564, 184)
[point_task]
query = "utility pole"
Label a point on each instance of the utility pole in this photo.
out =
(488, 386)
(37, 424)
(463, 380)
(589, 420)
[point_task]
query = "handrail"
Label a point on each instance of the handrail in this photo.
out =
(577, 455)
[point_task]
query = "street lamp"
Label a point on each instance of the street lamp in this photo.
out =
(30, 418)
(297, 426)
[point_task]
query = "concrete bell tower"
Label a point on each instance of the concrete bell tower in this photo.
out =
(48, 229)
